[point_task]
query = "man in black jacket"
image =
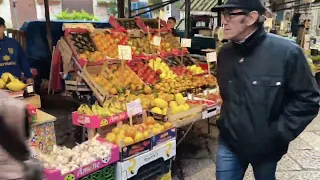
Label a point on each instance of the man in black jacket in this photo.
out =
(268, 91)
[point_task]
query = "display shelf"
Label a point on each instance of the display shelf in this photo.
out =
(146, 166)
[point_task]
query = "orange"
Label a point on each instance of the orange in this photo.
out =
(130, 132)
(167, 125)
(138, 137)
(128, 141)
(146, 134)
(156, 131)
(111, 137)
(115, 130)
(113, 91)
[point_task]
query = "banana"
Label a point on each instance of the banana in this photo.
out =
(124, 106)
(80, 110)
(114, 110)
(87, 110)
(117, 105)
(94, 109)
(107, 112)
(100, 110)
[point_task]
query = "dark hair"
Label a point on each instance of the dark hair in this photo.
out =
(2, 22)
(173, 19)
(296, 17)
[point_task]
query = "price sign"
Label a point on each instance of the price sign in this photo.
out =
(211, 57)
(134, 107)
(124, 52)
(185, 42)
(156, 40)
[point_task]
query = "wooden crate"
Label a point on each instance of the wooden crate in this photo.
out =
(194, 109)
(86, 74)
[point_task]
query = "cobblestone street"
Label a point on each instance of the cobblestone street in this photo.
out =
(302, 162)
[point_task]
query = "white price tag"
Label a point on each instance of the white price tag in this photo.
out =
(124, 52)
(156, 40)
(134, 107)
(185, 42)
(211, 57)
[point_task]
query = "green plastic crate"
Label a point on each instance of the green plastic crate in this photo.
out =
(106, 173)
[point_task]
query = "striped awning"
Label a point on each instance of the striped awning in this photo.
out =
(201, 5)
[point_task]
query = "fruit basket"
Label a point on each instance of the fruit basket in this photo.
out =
(170, 45)
(107, 42)
(83, 47)
(115, 24)
(84, 171)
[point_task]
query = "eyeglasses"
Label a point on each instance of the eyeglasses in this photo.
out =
(229, 15)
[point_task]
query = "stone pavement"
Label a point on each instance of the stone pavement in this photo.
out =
(302, 162)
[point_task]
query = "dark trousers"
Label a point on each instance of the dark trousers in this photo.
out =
(229, 167)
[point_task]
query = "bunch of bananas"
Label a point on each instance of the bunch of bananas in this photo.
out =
(85, 109)
(109, 108)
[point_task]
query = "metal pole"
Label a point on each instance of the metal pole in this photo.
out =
(48, 26)
(15, 13)
(129, 8)
(121, 8)
(187, 19)
(219, 14)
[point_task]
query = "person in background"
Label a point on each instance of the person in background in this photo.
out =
(12, 56)
(268, 91)
(171, 23)
(295, 24)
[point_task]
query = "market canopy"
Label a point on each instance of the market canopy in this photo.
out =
(201, 5)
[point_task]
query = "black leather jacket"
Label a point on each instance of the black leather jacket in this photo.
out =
(269, 95)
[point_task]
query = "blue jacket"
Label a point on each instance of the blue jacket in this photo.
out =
(13, 59)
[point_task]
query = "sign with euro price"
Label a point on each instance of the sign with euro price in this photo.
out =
(211, 57)
(125, 52)
(185, 42)
(156, 40)
(134, 107)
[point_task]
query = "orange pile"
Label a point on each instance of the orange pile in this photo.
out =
(130, 135)
(108, 43)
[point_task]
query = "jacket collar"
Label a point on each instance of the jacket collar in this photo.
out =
(246, 47)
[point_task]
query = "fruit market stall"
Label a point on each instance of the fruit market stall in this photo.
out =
(146, 86)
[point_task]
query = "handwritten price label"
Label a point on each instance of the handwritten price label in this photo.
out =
(124, 52)
(156, 40)
(185, 42)
(211, 57)
(134, 107)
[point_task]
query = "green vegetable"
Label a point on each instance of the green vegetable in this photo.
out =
(83, 16)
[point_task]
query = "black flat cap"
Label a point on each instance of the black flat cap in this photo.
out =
(252, 5)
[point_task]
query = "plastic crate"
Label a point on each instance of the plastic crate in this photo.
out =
(153, 170)
(107, 173)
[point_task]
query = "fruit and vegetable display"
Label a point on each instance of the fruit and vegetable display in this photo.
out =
(109, 108)
(141, 45)
(176, 105)
(182, 71)
(66, 160)
(11, 83)
(118, 79)
(195, 69)
(145, 72)
(107, 43)
(166, 73)
(126, 135)
(169, 43)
